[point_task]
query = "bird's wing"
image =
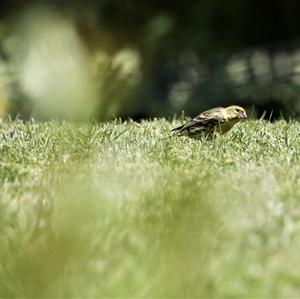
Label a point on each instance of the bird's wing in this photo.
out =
(204, 120)
(198, 124)
(207, 119)
(209, 114)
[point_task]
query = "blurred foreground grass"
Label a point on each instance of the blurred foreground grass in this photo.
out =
(111, 210)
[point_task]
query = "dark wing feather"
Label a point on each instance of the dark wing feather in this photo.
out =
(204, 126)
(178, 128)
(184, 126)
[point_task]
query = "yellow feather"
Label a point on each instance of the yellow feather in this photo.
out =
(235, 107)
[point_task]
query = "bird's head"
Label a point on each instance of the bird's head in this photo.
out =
(235, 113)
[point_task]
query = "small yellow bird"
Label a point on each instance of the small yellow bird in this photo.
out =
(218, 119)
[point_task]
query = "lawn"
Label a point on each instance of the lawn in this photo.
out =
(112, 210)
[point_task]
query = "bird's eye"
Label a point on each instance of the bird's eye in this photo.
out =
(237, 110)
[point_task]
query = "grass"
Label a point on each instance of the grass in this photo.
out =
(111, 210)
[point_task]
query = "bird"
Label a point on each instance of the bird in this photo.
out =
(219, 119)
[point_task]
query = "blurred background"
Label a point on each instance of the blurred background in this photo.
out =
(111, 58)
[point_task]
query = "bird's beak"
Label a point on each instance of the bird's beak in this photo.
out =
(243, 115)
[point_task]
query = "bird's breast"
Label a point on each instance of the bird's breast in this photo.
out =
(227, 125)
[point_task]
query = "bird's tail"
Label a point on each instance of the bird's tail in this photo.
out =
(178, 128)
(176, 132)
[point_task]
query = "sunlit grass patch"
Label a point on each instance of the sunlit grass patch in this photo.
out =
(115, 210)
